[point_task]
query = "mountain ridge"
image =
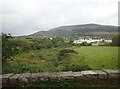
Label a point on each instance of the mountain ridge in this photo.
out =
(79, 30)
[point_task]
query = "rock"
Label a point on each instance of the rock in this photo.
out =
(34, 77)
(90, 74)
(101, 74)
(23, 78)
(78, 76)
(53, 77)
(112, 73)
(44, 77)
(14, 79)
(39, 77)
(5, 78)
(66, 75)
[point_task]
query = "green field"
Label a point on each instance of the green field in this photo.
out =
(98, 57)
(47, 60)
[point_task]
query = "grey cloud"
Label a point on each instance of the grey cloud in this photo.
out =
(23, 17)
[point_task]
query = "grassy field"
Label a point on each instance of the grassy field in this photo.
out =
(97, 57)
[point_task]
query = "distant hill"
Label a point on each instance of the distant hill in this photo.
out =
(80, 30)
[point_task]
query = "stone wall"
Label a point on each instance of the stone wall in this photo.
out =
(12, 79)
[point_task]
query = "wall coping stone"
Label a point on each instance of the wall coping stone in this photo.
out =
(60, 76)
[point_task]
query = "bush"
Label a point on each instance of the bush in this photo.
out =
(76, 67)
(9, 47)
(86, 44)
(60, 68)
(25, 46)
(65, 54)
(66, 51)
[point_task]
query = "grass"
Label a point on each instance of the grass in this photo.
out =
(46, 60)
(98, 57)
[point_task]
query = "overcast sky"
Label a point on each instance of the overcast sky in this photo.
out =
(23, 17)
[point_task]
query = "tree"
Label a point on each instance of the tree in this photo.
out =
(9, 47)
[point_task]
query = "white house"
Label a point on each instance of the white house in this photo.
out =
(108, 41)
(90, 40)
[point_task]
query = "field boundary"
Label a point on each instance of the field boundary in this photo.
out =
(106, 74)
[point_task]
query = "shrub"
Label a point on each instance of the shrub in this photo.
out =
(86, 44)
(25, 46)
(65, 54)
(76, 67)
(66, 51)
(60, 68)
(9, 47)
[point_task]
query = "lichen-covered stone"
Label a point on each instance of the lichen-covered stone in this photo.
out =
(89, 74)
(5, 78)
(39, 77)
(78, 76)
(44, 77)
(34, 77)
(94, 75)
(66, 75)
(112, 73)
(101, 74)
(53, 76)
(24, 77)
(14, 78)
